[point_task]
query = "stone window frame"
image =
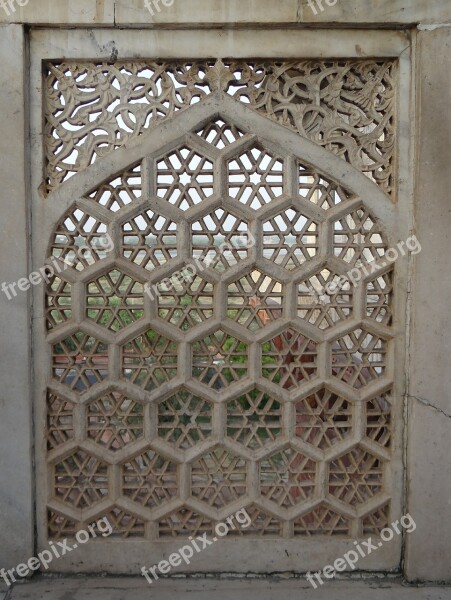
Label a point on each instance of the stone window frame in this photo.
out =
(167, 44)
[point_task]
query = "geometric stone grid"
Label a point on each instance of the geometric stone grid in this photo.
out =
(346, 106)
(259, 383)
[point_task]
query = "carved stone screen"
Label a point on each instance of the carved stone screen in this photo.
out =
(207, 350)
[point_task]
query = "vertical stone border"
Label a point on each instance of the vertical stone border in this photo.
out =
(429, 393)
(16, 490)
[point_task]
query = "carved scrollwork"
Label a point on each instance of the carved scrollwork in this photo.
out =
(348, 107)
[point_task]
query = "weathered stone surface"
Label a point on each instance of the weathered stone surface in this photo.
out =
(431, 377)
(128, 12)
(429, 470)
(49, 12)
(16, 519)
(429, 493)
(205, 11)
(3, 589)
(250, 589)
(383, 11)
(151, 12)
(173, 43)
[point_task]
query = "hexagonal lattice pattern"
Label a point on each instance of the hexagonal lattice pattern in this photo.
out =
(149, 479)
(290, 238)
(220, 239)
(379, 419)
(325, 299)
(219, 359)
(124, 524)
(220, 134)
(218, 478)
(184, 419)
(218, 391)
(254, 299)
(80, 361)
(60, 526)
(114, 300)
(319, 190)
(149, 240)
(356, 476)
(323, 419)
(58, 302)
(262, 524)
(60, 421)
(80, 480)
(289, 358)
(120, 191)
(322, 520)
(359, 358)
(149, 360)
(187, 303)
(80, 240)
(379, 298)
(358, 238)
(256, 177)
(184, 178)
(184, 522)
(373, 523)
(287, 477)
(113, 421)
(254, 419)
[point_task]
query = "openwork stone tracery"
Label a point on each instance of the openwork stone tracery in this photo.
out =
(346, 106)
(247, 384)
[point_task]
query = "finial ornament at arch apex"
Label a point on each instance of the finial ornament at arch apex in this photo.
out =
(219, 76)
